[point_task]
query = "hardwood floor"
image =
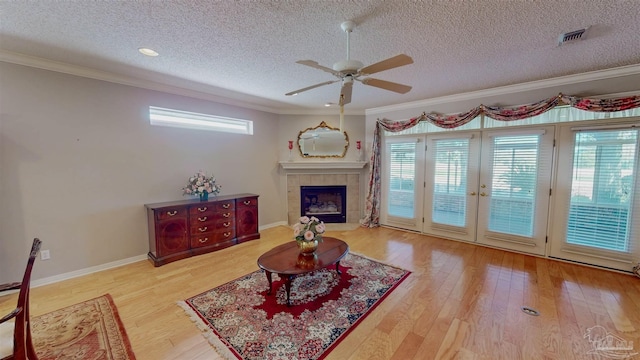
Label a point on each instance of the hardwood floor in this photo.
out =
(462, 301)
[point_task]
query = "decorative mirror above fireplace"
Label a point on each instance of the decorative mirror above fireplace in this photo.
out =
(322, 141)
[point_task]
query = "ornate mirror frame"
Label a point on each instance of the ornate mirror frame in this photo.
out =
(322, 141)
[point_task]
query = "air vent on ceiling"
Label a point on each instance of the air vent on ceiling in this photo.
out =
(572, 36)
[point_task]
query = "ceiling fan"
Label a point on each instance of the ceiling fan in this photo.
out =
(349, 70)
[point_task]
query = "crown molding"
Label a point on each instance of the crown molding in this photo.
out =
(65, 68)
(203, 93)
(516, 88)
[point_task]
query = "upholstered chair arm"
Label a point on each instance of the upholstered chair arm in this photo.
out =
(10, 286)
(11, 315)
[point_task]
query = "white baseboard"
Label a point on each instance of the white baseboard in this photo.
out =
(113, 264)
(86, 271)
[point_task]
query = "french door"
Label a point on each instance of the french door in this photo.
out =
(598, 198)
(403, 171)
(451, 184)
(515, 187)
(491, 189)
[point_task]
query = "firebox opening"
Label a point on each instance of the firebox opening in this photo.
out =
(327, 203)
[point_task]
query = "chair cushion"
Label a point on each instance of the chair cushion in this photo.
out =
(6, 339)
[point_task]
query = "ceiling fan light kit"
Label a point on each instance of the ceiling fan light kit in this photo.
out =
(349, 70)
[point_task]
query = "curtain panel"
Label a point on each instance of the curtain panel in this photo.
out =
(372, 206)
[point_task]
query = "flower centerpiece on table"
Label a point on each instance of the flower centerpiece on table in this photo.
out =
(202, 185)
(308, 229)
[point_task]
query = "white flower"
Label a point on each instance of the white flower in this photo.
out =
(309, 235)
(308, 229)
(200, 184)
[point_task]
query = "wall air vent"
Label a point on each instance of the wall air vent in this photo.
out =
(572, 36)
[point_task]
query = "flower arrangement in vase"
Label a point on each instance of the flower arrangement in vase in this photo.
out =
(201, 185)
(308, 233)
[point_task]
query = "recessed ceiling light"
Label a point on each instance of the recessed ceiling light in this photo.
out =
(148, 52)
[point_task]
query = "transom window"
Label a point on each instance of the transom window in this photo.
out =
(190, 120)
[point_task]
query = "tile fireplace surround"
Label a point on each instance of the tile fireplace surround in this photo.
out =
(323, 174)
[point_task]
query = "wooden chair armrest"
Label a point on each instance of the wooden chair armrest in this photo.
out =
(11, 315)
(10, 286)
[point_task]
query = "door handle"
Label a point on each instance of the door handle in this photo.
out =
(483, 194)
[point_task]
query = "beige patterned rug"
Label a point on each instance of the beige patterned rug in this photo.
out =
(89, 330)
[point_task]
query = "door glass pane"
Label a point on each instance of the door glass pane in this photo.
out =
(450, 182)
(513, 185)
(601, 189)
(402, 179)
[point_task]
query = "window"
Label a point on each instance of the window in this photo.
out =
(602, 188)
(402, 176)
(189, 120)
(450, 182)
(514, 179)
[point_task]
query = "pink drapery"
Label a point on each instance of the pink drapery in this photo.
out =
(372, 206)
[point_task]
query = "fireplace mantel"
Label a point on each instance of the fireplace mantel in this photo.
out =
(322, 165)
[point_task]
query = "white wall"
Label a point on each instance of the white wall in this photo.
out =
(78, 161)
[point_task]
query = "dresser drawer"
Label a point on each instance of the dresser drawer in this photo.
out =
(168, 213)
(225, 235)
(227, 215)
(204, 209)
(212, 238)
(224, 224)
(202, 240)
(203, 219)
(202, 229)
(247, 202)
(223, 206)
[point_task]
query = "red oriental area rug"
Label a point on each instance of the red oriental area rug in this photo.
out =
(242, 322)
(88, 330)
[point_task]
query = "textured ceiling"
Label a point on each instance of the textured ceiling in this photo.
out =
(248, 50)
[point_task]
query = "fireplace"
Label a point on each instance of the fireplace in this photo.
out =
(327, 203)
(299, 177)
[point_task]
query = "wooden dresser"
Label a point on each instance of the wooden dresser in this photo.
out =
(181, 229)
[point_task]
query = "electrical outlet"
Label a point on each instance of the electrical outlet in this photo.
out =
(45, 255)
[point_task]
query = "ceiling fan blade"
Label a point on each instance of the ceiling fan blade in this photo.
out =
(387, 85)
(296, 92)
(390, 63)
(345, 93)
(315, 65)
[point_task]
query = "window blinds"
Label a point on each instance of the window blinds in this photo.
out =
(513, 187)
(602, 188)
(450, 182)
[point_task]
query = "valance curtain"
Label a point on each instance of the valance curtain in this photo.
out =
(372, 209)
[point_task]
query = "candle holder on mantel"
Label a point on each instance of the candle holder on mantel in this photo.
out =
(290, 148)
(359, 147)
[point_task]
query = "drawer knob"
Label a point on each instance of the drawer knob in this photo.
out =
(226, 215)
(247, 202)
(227, 234)
(202, 229)
(203, 240)
(226, 206)
(171, 213)
(204, 218)
(202, 209)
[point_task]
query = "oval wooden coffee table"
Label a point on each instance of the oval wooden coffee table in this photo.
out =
(286, 260)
